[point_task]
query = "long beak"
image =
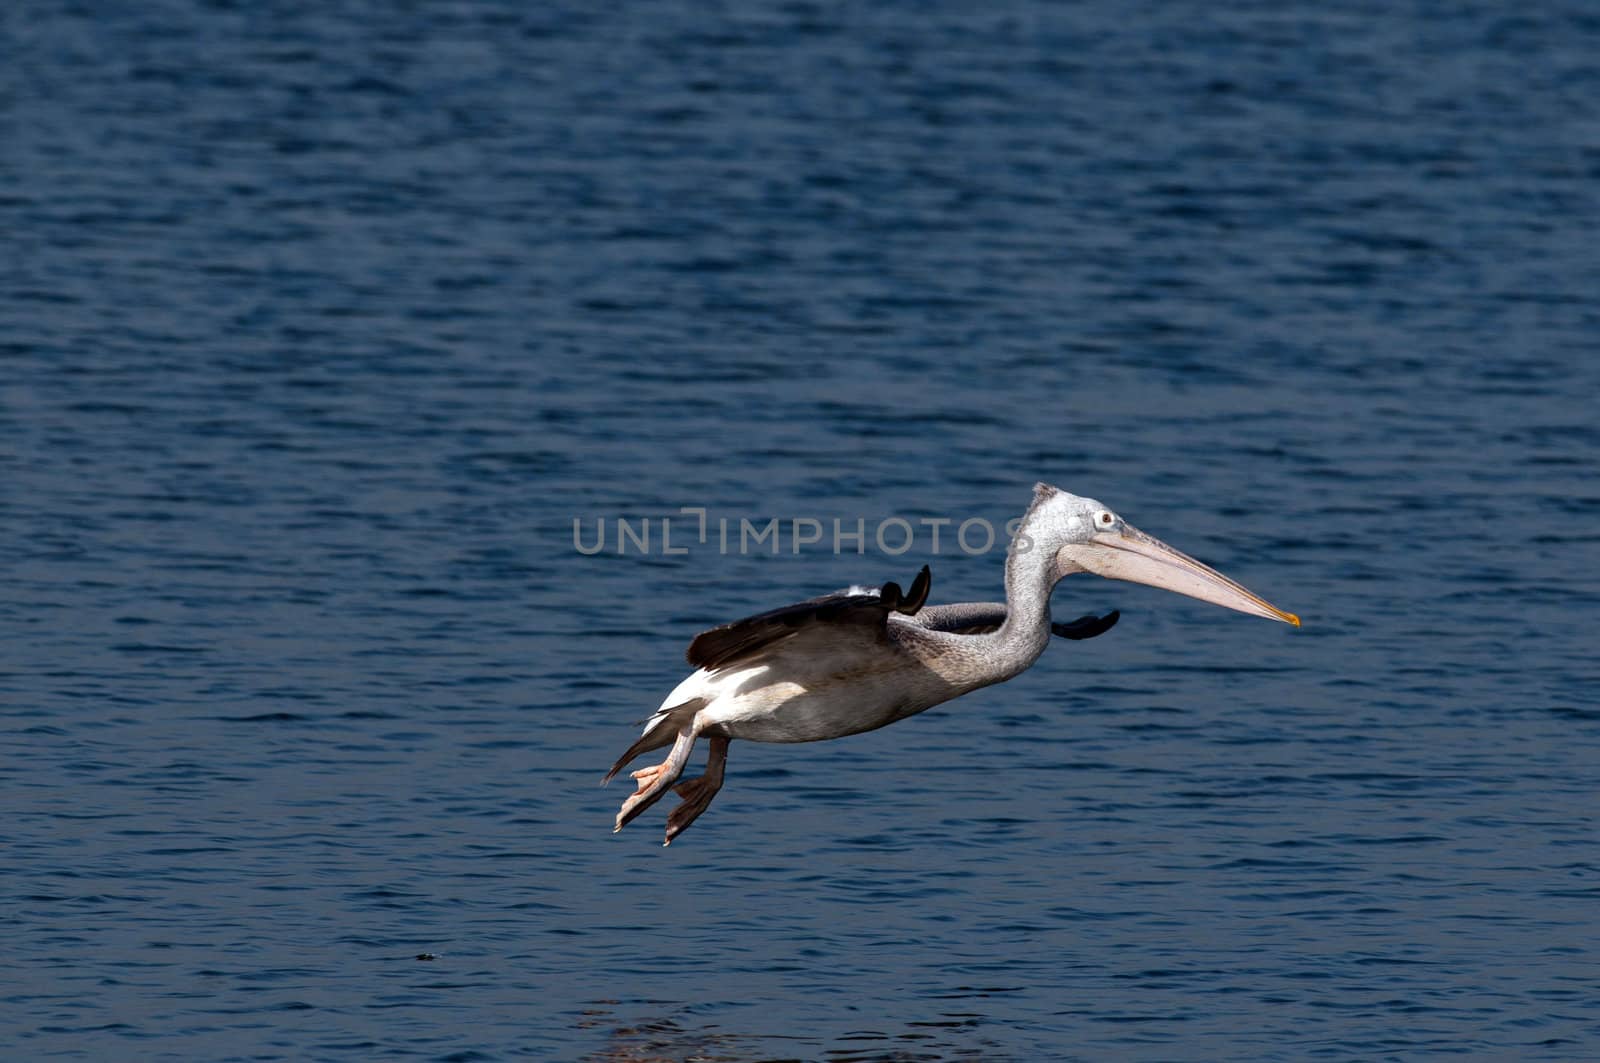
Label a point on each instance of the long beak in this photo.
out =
(1132, 555)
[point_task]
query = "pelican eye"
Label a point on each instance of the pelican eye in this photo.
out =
(1104, 519)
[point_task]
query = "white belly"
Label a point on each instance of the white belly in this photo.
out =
(785, 700)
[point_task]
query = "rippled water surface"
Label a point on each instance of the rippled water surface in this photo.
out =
(319, 325)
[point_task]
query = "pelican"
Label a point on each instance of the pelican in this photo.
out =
(864, 658)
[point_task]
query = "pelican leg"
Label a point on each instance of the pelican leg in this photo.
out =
(656, 780)
(697, 793)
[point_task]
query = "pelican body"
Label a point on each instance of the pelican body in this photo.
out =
(864, 658)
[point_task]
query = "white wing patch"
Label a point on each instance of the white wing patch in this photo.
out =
(706, 685)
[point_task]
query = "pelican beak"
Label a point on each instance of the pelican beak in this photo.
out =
(1129, 554)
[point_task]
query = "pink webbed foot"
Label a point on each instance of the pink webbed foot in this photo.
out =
(655, 781)
(697, 793)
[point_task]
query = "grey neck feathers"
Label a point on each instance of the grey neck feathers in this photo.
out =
(1026, 632)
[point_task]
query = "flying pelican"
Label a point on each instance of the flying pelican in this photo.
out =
(864, 658)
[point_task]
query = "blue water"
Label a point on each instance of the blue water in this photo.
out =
(320, 324)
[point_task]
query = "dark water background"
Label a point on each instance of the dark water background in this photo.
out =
(320, 323)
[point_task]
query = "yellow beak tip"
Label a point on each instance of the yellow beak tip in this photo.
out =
(1295, 620)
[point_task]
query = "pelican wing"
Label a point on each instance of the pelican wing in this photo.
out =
(964, 618)
(869, 607)
(980, 618)
(1088, 626)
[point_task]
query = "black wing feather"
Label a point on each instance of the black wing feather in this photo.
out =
(1087, 627)
(981, 618)
(722, 645)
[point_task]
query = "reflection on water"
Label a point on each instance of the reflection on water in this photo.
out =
(669, 1038)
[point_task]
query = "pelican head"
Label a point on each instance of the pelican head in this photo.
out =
(1086, 536)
